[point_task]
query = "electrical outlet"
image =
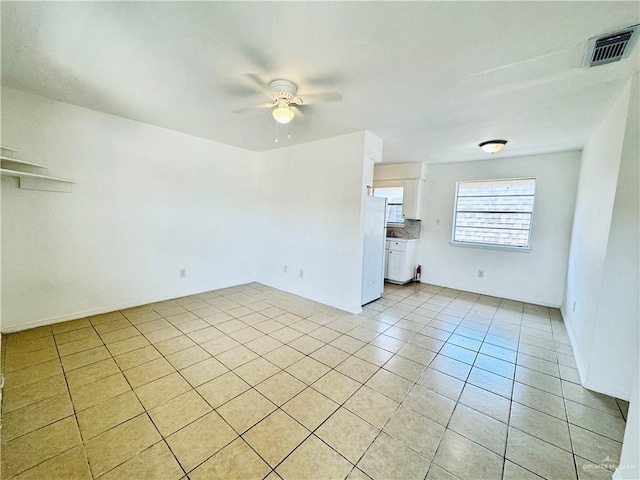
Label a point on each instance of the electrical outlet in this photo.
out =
(301, 273)
(183, 272)
(285, 269)
(480, 273)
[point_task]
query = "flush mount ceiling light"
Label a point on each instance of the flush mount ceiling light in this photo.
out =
(283, 113)
(492, 146)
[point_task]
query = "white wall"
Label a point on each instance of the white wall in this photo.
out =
(310, 218)
(148, 201)
(602, 275)
(536, 276)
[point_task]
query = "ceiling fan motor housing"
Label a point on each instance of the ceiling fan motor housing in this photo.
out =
(283, 90)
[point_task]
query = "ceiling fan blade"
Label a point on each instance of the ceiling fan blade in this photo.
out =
(317, 98)
(258, 82)
(254, 108)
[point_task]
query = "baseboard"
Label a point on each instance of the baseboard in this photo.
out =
(112, 308)
(582, 370)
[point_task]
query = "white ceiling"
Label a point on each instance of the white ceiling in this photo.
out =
(432, 79)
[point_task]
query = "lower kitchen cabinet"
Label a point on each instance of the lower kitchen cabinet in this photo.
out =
(401, 260)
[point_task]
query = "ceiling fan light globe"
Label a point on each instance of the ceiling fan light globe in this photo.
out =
(493, 146)
(283, 114)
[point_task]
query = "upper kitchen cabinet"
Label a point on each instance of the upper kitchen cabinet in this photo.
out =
(406, 176)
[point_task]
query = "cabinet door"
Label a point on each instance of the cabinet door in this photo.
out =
(410, 199)
(395, 265)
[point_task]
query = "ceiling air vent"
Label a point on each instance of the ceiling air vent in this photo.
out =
(610, 47)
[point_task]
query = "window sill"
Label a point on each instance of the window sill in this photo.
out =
(491, 247)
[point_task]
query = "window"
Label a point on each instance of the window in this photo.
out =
(394, 196)
(494, 212)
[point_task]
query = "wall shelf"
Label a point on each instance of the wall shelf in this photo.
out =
(32, 181)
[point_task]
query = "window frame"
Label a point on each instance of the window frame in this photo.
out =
(492, 246)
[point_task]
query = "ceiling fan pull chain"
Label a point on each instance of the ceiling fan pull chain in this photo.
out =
(276, 132)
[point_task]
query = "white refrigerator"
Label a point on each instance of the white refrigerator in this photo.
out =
(374, 243)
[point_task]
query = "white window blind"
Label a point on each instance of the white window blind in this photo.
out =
(494, 212)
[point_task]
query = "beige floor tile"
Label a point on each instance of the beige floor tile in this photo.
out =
(442, 383)
(201, 439)
(330, 356)
(222, 389)
(430, 404)
(236, 357)
(62, 327)
(286, 334)
(281, 387)
(187, 357)
(283, 356)
(539, 456)
(205, 334)
(246, 410)
(513, 471)
(486, 402)
(71, 464)
(389, 458)
(466, 459)
(79, 345)
(120, 334)
(416, 431)
(276, 436)
(162, 390)
(26, 376)
(148, 372)
(179, 412)
(124, 346)
(358, 369)
(314, 459)
(103, 318)
(137, 357)
(372, 406)
(256, 371)
(595, 420)
(490, 381)
(109, 326)
(107, 450)
(373, 354)
(88, 395)
(540, 400)
(404, 368)
(348, 434)
(588, 470)
(598, 401)
(327, 335)
(155, 462)
(73, 335)
(417, 354)
(480, 428)
(91, 373)
(547, 428)
(336, 386)
(310, 408)
(21, 360)
(233, 462)
(36, 415)
(34, 448)
(263, 344)
(438, 473)
(219, 345)
(142, 317)
(594, 447)
(390, 385)
(16, 343)
(81, 359)
(163, 334)
(192, 326)
(31, 393)
(307, 369)
(454, 368)
(536, 379)
(174, 344)
(204, 371)
(108, 414)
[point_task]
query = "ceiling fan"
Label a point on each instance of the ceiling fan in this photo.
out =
(284, 99)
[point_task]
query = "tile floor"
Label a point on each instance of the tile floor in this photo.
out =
(252, 382)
